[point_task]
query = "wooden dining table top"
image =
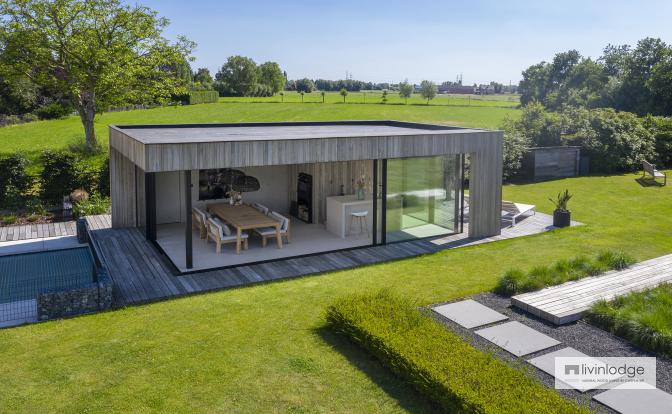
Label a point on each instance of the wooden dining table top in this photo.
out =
(242, 217)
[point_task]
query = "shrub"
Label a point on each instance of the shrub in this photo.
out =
(643, 318)
(53, 110)
(437, 362)
(96, 204)
(9, 219)
(515, 281)
(200, 97)
(60, 175)
(615, 260)
(14, 180)
(29, 117)
(104, 178)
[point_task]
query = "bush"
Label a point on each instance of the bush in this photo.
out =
(9, 219)
(104, 178)
(53, 110)
(643, 318)
(200, 97)
(60, 175)
(515, 281)
(14, 180)
(96, 204)
(437, 362)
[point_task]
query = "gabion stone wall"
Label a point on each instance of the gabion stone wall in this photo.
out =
(93, 297)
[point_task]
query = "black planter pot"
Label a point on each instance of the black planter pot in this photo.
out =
(561, 218)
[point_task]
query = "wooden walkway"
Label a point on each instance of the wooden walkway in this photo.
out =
(568, 302)
(37, 231)
(142, 274)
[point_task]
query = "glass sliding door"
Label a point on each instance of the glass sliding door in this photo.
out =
(423, 197)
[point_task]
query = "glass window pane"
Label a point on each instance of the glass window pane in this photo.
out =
(422, 197)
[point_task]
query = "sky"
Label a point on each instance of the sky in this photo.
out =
(389, 41)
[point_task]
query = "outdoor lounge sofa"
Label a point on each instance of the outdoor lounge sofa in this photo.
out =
(269, 232)
(511, 211)
(220, 233)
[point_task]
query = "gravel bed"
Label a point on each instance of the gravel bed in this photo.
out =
(579, 335)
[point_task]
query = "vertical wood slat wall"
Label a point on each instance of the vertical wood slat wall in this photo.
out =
(327, 180)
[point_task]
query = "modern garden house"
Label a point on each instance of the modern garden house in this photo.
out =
(220, 195)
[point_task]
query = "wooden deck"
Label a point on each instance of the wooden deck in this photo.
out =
(568, 302)
(37, 231)
(142, 274)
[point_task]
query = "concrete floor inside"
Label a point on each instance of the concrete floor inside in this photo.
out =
(305, 239)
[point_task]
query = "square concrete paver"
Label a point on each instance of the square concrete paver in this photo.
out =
(517, 338)
(469, 313)
(636, 401)
(546, 362)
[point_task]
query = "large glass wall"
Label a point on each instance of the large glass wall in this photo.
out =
(422, 197)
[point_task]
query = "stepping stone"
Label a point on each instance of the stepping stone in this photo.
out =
(546, 362)
(517, 338)
(469, 313)
(636, 401)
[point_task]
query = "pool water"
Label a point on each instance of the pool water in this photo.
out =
(23, 276)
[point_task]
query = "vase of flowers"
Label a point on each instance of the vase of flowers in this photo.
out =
(360, 186)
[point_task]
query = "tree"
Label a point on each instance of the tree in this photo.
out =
(301, 93)
(428, 90)
(405, 90)
(238, 76)
(383, 98)
(343, 93)
(305, 85)
(203, 77)
(97, 52)
(271, 76)
(323, 95)
(660, 85)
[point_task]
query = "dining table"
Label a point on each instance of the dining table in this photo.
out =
(244, 217)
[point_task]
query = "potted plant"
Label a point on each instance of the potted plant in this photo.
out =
(561, 215)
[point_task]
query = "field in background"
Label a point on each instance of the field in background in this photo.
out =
(33, 138)
(375, 97)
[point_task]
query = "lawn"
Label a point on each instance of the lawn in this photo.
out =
(264, 348)
(34, 137)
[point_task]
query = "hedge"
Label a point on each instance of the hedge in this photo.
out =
(437, 362)
(199, 97)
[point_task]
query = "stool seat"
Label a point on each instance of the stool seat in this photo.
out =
(360, 216)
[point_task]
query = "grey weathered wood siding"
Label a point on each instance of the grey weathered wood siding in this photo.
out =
(122, 190)
(484, 147)
(327, 180)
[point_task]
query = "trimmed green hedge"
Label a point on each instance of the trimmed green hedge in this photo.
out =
(199, 97)
(643, 318)
(437, 362)
(515, 281)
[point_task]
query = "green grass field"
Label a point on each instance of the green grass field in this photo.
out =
(34, 137)
(263, 348)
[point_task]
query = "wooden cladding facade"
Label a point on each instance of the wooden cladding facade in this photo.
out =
(332, 161)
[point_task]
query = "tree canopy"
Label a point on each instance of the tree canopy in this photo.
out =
(428, 90)
(630, 79)
(405, 90)
(98, 52)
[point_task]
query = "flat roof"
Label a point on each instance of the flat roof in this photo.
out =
(230, 132)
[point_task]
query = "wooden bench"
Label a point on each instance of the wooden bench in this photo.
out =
(651, 170)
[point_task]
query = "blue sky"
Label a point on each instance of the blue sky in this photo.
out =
(388, 41)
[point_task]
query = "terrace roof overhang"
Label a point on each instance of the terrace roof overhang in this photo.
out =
(158, 148)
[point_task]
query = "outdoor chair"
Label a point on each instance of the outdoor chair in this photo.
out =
(269, 232)
(220, 233)
(199, 221)
(514, 210)
(262, 208)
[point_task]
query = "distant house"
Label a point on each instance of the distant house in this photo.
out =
(458, 89)
(484, 89)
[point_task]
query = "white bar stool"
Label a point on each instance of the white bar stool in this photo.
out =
(361, 217)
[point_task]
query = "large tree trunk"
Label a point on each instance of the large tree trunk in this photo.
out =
(87, 113)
